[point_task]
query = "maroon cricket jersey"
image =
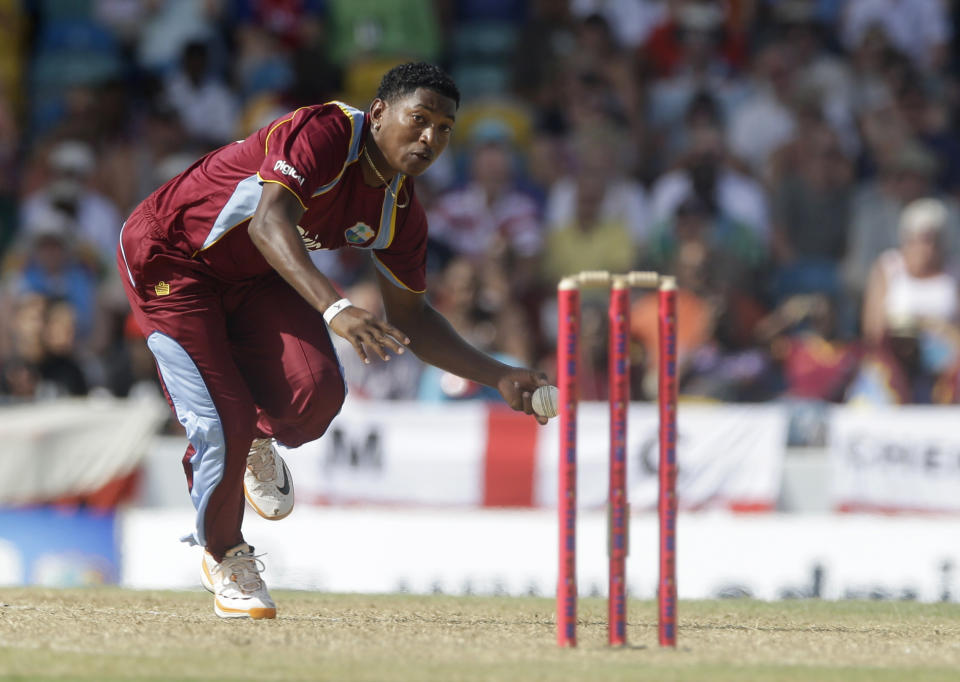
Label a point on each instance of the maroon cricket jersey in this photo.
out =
(313, 152)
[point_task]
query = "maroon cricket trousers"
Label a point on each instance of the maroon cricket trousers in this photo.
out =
(238, 360)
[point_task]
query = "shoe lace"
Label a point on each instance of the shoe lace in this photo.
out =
(243, 569)
(262, 460)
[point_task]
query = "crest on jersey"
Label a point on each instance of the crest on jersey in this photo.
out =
(359, 233)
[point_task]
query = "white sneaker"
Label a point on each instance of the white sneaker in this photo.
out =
(238, 590)
(267, 484)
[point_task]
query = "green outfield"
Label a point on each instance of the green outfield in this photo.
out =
(113, 634)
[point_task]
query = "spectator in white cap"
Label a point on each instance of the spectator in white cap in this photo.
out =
(909, 286)
(911, 344)
(95, 220)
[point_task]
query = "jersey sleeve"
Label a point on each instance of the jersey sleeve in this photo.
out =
(404, 262)
(308, 149)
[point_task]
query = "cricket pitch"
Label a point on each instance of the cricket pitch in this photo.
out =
(106, 634)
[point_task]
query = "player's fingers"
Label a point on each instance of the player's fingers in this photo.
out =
(532, 380)
(371, 340)
(510, 391)
(527, 398)
(392, 331)
(390, 340)
(357, 346)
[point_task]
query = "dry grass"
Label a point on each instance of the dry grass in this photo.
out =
(113, 634)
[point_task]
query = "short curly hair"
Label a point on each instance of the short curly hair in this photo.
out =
(403, 79)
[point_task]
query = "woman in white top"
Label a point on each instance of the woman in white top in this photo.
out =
(909, 287)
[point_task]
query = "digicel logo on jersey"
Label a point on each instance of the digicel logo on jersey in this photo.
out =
(286, 169)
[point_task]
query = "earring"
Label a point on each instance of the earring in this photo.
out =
(376, 127)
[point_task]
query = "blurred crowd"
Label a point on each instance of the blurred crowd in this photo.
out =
(794, 163)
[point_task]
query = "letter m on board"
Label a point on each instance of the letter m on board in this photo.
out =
(352, 452)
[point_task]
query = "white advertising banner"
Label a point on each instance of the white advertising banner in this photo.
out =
(73, 446)
(498, 551)
(472, 454)
(728, 456)
(395, 452)
(904, 458)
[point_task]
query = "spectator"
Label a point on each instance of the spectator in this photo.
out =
(918, 28)
(596, 218)
(22, 344)
(288, 21)
(910, 285)
(39, 358)
(316, 77)
(735, 248)
(893, 113)
(926, 120)
(764, 122)
(692, 36)
(490, 217)
(124, 18)
(603, 78)
(543, 46)
(702, 113)
(262, 65)
(820, 74)
(706, 172)
(598, 162)
(801, 334)
(910, 312)
(93, 219)
(60, 369)
(871, 61)
(688, 55)
(165, 29)
(156, 153)
(811, 197)
(632, 21)
(206, 106)
(50, 267)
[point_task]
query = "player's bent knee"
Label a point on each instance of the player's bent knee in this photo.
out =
(324, 407)
(309, 420)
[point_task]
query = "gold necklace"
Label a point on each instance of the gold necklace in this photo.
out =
(396, 199)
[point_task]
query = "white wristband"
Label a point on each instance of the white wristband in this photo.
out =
(335, 308)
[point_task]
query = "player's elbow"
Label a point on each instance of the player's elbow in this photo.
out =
(407, 314)
(257, 230)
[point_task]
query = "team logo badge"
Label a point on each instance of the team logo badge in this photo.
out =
(162, 289)
(359, 233)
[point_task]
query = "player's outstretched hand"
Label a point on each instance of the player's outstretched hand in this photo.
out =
(517, 387)
(367, 333)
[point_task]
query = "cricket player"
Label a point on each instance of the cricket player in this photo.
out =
(216, 268)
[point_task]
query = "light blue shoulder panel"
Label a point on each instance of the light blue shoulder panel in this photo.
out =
(356, 138)
(239, 207)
